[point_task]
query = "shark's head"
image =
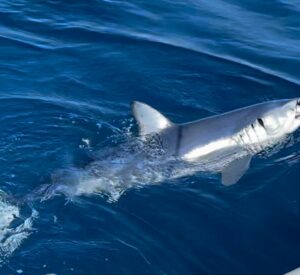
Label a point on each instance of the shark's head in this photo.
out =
(283, 117)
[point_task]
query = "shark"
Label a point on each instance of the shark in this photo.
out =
(236, 135)
(221, 144)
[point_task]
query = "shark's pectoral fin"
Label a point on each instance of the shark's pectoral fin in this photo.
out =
(149, 120)
(232, 173)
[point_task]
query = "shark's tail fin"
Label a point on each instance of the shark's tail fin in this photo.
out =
(149, 120)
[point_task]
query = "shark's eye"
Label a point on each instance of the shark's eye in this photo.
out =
(261, 122)
(298, 102)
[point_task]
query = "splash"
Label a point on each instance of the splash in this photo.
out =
(131, 164)
(14, 228)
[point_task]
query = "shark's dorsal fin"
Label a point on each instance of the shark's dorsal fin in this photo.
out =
(232, 173)
(149, 119)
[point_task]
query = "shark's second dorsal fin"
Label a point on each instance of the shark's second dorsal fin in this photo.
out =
(149, 119)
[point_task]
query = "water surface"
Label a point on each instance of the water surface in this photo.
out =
(69, 71)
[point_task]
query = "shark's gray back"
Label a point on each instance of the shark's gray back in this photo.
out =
(182, 138)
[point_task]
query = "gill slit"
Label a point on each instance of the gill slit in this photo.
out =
(178, 143)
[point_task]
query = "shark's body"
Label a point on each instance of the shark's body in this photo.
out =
(240, 133)
(224, 143)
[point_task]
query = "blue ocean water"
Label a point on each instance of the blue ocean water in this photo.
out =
(69, 71)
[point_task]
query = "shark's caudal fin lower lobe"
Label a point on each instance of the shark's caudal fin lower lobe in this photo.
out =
(149, 120)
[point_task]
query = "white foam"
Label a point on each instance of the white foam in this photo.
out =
(7, 215)
(11, 237)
